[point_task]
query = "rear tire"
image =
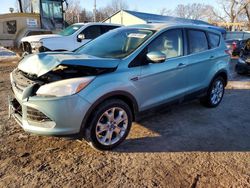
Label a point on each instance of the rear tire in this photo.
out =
(214, 94)
(109, 125)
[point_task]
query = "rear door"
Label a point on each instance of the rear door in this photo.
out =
(163, 82)
(202, 54)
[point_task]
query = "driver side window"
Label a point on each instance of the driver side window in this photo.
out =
(170, 43)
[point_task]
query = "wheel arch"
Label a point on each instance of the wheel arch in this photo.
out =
(223, 73)
(122, 95)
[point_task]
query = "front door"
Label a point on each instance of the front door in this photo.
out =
(163, 82)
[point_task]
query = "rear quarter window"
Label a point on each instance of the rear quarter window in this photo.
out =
(214, 40)
(197, 41)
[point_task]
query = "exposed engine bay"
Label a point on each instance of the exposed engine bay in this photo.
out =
(21, 79)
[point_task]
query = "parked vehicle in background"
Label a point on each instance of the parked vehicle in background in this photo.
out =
(68, 39)
(235, 46)
(102, 87)
(235, 41)
(243, 64)
(26, 33)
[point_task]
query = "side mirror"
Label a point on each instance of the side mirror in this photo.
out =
(156, 57)
(80, 37)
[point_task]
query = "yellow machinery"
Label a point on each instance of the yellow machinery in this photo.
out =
(14, 26)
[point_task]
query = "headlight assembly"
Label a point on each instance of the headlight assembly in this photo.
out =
(64, 87)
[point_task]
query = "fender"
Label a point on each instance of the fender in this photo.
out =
(123, 95)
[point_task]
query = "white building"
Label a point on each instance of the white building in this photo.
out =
(127, 17)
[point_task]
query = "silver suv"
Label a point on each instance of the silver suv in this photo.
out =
(103, 87)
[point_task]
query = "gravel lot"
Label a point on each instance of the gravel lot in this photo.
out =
(185, 146)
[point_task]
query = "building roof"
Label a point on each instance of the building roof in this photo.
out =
(155, 18)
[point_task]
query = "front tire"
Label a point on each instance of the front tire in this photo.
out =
(109, 125)
(215, 93)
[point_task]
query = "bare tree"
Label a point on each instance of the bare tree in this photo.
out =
(233, 8)
(20, 5)
(105, 12)
(73, 12)
(194, 11)
(166, 12)
(113, 7)
(117, 5)
(27, 6)
(85, 16)
(247, 13)
(181, 11)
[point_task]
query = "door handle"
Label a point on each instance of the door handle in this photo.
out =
(182, 65)
(135, 78)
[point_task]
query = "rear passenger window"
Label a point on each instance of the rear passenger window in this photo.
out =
(197, 41)
(214, 40)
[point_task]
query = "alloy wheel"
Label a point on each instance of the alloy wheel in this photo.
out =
(217, 92)
(111, 126)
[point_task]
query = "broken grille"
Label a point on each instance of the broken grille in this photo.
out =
(36, 115)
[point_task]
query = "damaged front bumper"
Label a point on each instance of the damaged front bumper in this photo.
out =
(47, 115)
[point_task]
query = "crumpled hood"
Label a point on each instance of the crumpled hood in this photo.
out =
(40, 64)
(37, 38)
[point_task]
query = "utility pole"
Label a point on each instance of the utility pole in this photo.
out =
(94, 10)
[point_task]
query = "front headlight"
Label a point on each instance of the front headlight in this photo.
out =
(241, 61)
(64, 87)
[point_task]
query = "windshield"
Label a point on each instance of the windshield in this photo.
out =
(117, 43)
(70, 30)
(51, 9)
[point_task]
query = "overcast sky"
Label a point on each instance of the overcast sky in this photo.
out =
(150, 6)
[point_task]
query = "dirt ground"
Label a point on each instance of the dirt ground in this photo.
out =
(185, 146)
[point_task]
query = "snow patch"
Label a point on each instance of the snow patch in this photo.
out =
(6, 53)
